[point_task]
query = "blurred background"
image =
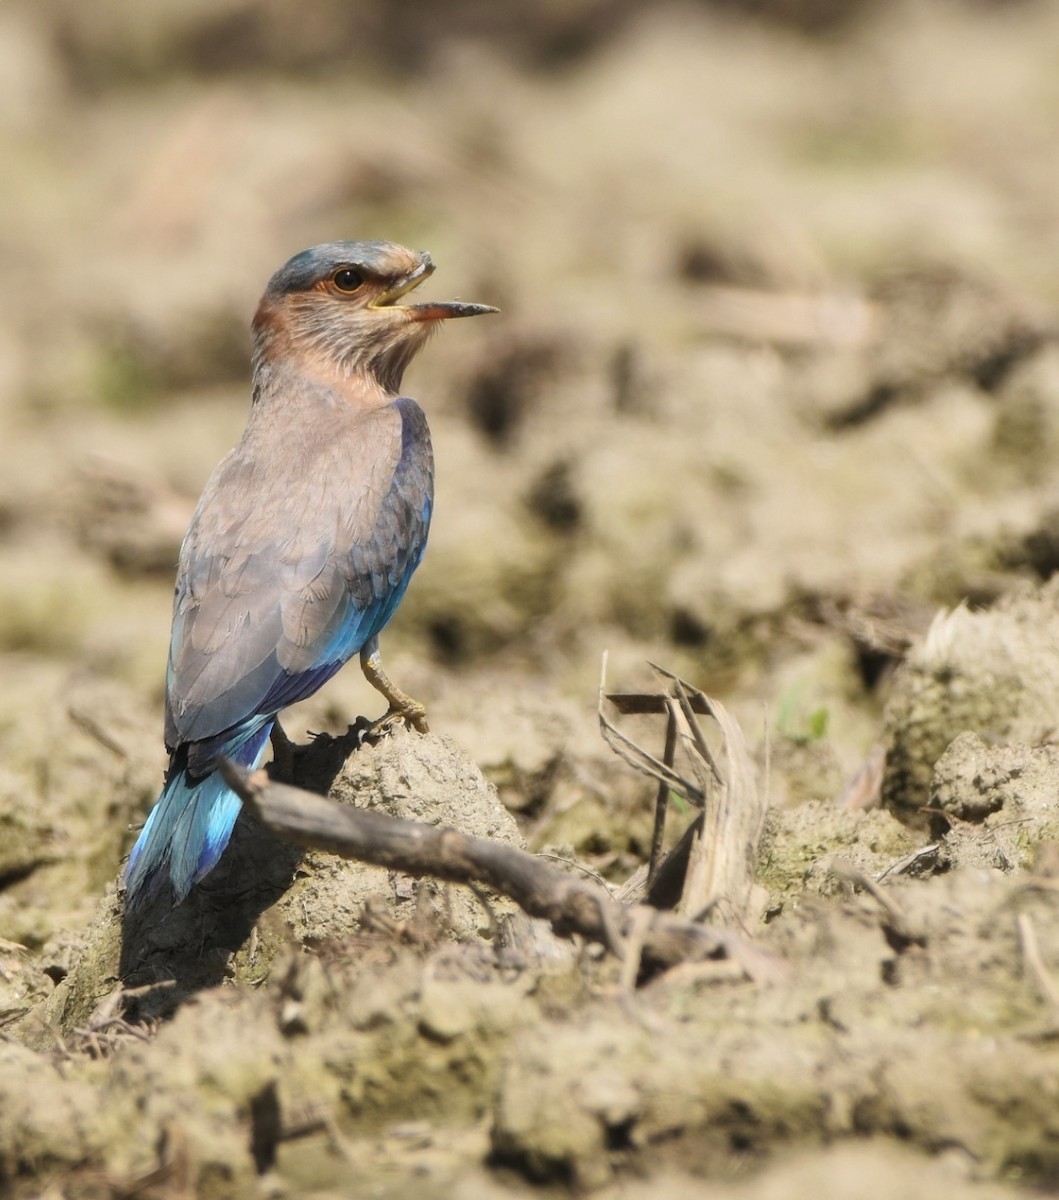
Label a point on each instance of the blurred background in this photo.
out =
(775, 374)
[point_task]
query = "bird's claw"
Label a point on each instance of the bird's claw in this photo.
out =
(412, 714)
(416, 716)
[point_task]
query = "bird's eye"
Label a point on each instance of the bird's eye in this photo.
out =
(347, 280)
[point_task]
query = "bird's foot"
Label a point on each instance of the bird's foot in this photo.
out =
(402, 707)
(406, 712)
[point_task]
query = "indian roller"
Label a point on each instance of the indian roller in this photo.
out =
(304, 540)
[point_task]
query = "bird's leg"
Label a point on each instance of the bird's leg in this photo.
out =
(409, 710)
(282, 753)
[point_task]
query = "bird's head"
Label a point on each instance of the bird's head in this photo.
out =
(336, 307)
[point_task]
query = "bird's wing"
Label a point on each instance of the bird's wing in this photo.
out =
(286, 573)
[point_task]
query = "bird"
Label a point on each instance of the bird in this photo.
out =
(303, 542)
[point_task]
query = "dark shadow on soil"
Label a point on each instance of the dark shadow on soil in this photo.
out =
(191, 944)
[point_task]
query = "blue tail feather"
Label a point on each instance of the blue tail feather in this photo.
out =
(190, 824)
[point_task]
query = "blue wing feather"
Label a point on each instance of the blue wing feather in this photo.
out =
(188, 828)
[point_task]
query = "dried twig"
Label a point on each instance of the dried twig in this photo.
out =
(90, 726)
(899, 922)
(639, 759)
(683, 692)
(658, 834)
(904, 865)
(1032, 954)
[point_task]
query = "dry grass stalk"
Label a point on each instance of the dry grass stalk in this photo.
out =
(1031, 952)
(721, 860)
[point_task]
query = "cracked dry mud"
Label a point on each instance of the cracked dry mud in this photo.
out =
(328, 1044)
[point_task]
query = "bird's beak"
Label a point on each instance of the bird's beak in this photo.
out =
(431, 310)
(443, 310)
